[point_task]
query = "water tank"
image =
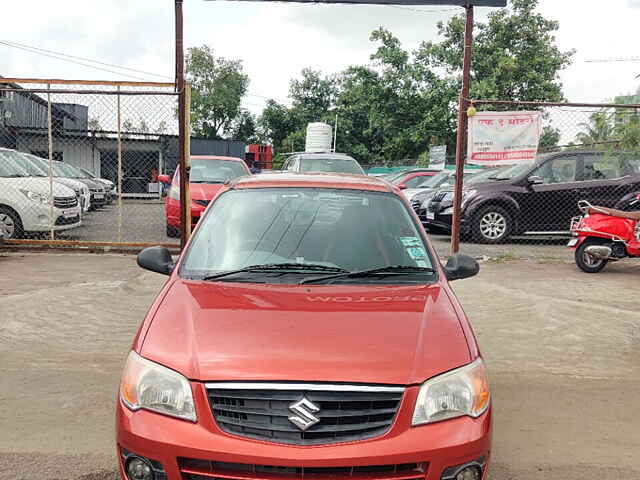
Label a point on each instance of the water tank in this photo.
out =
(319, 137)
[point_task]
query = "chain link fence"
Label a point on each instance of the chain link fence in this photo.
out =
(587, 152)
(79, 161)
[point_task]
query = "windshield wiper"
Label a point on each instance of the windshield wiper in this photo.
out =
(391, 269)
(499, 178)
(207, 181)
(275, 267)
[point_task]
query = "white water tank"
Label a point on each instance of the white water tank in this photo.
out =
(319, 137)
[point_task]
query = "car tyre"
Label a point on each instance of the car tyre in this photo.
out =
(492, 224)
(10, 224)
(172, 232)
(586, 263)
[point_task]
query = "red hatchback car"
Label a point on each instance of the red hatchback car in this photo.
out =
(208, 174)
(308, 330)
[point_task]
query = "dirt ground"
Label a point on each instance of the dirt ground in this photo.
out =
(563, 349)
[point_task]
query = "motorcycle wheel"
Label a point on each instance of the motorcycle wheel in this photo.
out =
(585, 262)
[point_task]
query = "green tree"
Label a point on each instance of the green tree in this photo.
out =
(515, 56)
(275, 124)
(243, 127)
(549, 139)
(217, 88)
(599, 131)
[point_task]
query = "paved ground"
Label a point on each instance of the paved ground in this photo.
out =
(563, 350)
(144, 221)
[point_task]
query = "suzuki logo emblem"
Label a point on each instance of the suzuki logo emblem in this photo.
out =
(304, 410)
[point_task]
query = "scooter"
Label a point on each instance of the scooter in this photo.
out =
(603, 235)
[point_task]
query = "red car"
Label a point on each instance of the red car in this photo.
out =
(308, 330)
(208, 174)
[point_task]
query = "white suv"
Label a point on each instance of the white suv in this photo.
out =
(25, 206)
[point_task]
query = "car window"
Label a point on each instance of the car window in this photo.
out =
(329, 164)
(215, 171)
(353, 230)
(9, 166)
(633, 165)
(558, 170)
(415, 181)
(602, 167)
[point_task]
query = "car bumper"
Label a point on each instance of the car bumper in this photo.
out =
(170, 441)
(36, 219)
(172, 212)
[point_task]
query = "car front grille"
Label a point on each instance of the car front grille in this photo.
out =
(192, 469)
(65, 202)
(438, 197)
(344, 413)
(416, 204)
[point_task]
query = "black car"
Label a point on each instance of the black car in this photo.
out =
(540, 198)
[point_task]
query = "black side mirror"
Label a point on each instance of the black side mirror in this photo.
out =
(156, 259)
(461, 266)
(535, 180)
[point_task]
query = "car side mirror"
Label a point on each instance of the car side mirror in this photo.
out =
(164, 179)
(156, 259)
(535, 180)
(461, 266)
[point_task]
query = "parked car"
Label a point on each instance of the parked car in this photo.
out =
(309, 331)
(99, 192)
(110, 187)
(544, 197)
(35, 168)
(429, 185)
(26, 206)
(393, 177)
(413, 178)
(322, 162)
(436, 210)
(208, 174)
(61, 172)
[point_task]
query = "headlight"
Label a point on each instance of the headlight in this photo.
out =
(448, 211)
(464, 391)
(174, 192)
(145, 384)
(425, 203)
(36, 197)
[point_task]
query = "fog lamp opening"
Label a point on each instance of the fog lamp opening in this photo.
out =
(138, 469)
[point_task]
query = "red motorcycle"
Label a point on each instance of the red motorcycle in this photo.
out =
(604, 235)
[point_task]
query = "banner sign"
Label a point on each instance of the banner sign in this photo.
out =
(438, 157)
(460, 3)
(503, 138)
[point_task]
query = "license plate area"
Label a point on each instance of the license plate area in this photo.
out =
(431, 216)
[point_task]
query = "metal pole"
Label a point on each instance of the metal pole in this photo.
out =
(119, 115)
(335, 134)
(185, 208)
(462, 131)
(187, 154)
(50, 148)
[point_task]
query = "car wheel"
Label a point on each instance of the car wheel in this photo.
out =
(492, 224)
(172, 232)
(586, 262)
(10, 224)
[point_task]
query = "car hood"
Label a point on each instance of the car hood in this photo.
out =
(37, 185)
(373, 334)
(204, 191)
(71, 183)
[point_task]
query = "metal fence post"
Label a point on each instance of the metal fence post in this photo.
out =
(187, 155)
(462, 131)
(50, 148)
(119, 117)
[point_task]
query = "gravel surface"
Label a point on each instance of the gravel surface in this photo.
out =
(563, 349)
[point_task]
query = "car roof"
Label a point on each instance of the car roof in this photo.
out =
(216, 157)
(313, 180)
(337, 156)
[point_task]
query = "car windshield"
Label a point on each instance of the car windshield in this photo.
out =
(33, 169)
(342, 229)
(328, 164)
(215, 171)
(10, 166)
(437, 180)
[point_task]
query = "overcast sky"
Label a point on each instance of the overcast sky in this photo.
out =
(276, 41)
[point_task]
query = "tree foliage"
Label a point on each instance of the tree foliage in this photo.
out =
(217, 88)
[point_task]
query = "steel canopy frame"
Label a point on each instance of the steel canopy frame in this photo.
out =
(464, 91)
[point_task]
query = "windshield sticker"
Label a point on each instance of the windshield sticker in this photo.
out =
(421, 263)
(410, 241)
(417, 253)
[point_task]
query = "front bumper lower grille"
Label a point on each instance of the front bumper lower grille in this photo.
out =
(335, 415)
(192, 469)
(65, 202)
